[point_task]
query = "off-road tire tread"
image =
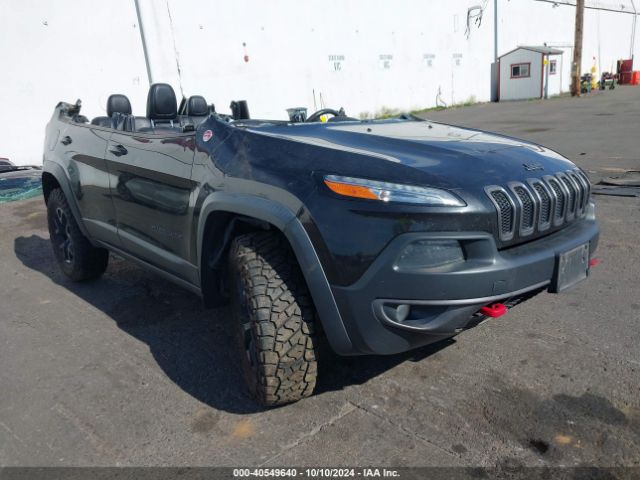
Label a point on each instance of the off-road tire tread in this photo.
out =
(282, 318)
(89, 262)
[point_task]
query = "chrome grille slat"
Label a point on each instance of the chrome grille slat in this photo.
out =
(571, 197)
(586, 179)
(588, 183)
(579, 191)
(538, 204)
(561, 199)
(546, 203)
(586, 190)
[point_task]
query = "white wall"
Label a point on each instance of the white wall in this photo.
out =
(91, 48)
(289, 44)
(64, 50)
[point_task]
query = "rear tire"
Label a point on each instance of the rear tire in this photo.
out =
(273, 317)
(77, 258)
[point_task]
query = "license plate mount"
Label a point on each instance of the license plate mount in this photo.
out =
(571, 267)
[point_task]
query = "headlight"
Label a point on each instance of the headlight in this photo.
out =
(429, 254)
(391, 192)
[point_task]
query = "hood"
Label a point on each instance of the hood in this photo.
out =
(438, 150)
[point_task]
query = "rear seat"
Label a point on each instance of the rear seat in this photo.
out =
(116, 103)
(141, 123)
(162, 111)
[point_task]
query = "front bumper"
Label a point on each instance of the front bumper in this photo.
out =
(443, 301)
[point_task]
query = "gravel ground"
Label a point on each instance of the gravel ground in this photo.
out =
(130, 370)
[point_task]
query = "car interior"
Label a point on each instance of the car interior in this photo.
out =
(162, 112)
(165, 116)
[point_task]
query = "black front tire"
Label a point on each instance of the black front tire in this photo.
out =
(274, 319)
(77, 258)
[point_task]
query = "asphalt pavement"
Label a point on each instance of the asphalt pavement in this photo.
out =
(131, 370)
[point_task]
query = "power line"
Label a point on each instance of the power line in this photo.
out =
(619, 6)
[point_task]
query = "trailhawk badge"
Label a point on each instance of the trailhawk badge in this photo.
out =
(206, 136)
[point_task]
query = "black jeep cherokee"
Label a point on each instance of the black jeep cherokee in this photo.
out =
(383, 235)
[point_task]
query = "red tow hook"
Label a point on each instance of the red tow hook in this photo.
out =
(594, 262)
(494, 311)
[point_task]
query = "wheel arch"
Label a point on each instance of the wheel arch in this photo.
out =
(49, 183)
(224, 215)
(53, 176)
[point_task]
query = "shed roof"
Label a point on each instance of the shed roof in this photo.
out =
(540, 49)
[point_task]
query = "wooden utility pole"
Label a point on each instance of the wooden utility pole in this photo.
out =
(577, 49)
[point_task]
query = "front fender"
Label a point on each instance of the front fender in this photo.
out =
(285, 220)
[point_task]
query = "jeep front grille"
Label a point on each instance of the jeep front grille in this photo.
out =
(523, 209)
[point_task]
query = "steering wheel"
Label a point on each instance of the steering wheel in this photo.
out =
(315, 116)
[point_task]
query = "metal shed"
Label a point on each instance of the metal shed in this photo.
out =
(530, 72)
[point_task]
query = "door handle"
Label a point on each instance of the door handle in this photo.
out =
(66, 140)
(118, 150)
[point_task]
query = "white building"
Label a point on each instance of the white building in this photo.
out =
(530, 72)
(362, 55)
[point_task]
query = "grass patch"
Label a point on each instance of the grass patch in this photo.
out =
(387, 112)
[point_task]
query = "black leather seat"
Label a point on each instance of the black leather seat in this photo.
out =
(162, 109)
(140, 123)
(197, 109)
(116, 103)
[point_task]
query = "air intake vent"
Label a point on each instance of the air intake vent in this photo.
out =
(526, 207)
(506, 211)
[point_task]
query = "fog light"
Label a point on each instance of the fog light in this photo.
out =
(429, 254)
(399, 313)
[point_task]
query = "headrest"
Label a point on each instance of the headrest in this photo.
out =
(118, 103)
(239, 110)
(161, 102)
(197, 106)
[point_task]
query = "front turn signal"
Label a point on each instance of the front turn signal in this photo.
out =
(391, 192)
